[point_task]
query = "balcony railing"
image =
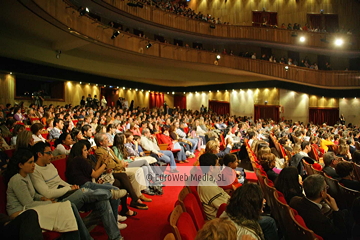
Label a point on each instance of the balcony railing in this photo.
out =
(283, 36)
(95, 32)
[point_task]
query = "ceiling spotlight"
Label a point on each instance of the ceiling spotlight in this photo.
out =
(80, 82)
(96, 85)
(124, 88)
(210, 91)
(286, 68)
(136, 89)
(302, 39)
(130, 88)
(173, 93)
(142, 90)
(10, 73)
(117, 87)
(167, 92)
(104, 85)
(184, 92)
(339, 42)
(149, 45)
(115, 34)
(83, 11)
(218, 57)
(88, 83)
(110, 86)
(217, 91)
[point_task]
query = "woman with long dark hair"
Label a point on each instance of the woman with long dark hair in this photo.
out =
(121, 153)
(244, 209)
(79, 171)
(21, 195)
(63, 144)
(288, 183)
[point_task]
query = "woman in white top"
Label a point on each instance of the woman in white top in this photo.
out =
(63, 144)
(21, 196)
(36, 129)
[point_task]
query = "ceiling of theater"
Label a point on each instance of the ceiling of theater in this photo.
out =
(30, 38)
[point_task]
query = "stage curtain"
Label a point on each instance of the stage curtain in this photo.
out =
(221, 108)
(180, 101)
(156, 100)
(266, 112)
(330, 116)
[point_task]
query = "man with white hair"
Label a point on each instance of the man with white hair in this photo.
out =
(149, 143)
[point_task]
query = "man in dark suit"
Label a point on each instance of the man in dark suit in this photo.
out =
(330, 161)
(309, 208)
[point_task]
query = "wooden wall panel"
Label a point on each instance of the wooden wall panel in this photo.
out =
(90, 31)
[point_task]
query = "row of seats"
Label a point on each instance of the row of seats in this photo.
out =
(290, 222)
(344, 196)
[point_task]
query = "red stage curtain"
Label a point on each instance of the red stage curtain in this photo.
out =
(221, 108)
(180, 101)
(266, 112)
(156, 100)
(330, 116)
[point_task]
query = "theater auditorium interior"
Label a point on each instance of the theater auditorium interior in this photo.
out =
(223, 72)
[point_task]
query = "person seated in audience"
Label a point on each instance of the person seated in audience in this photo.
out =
(110, 133)
(309, 209)
(231, 162)
(296, 160)
(101, 128)
(63, 144)
(24, 226)
(244, 210)
(213, 146)
(356, 157)
(36, 132)
(76, 135)
(165, 138)
(325, 142)
(344, 152)
(17, 129)
(315, 141)
(218, 229)
(47, 182)
(345, 170)
(134, 128)
(182, 135)
(211, 195)
(24, 140)
(87, 134)
(57, 130)
(251, 136)
(330, 161)
(17, 115)
(148, 142)
(21, 196)
(267, 162)
(104, 154)
(199, 130)
(121, 153)
(185, 144)
(289, 183)
(134, 149)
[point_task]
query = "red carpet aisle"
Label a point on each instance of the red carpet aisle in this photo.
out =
(151, 224)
